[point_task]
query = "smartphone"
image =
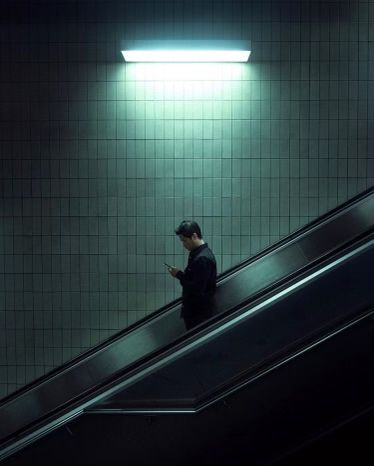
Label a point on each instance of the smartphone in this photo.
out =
(167, 265)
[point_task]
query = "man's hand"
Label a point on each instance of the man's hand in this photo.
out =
(173, 271)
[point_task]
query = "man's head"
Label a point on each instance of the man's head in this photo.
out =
(190, 234)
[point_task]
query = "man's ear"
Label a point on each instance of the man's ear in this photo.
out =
(194, 236)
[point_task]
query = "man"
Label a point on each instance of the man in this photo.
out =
(199, 278)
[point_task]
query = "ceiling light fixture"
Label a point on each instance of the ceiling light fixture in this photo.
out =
(194, 51)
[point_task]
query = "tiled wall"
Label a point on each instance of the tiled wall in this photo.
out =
(100, 160)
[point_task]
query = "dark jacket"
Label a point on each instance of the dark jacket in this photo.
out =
(198, 282)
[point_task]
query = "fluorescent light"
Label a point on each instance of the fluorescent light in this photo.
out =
(186, 51)
(186, 55)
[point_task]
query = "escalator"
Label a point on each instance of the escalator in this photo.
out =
(273, 311)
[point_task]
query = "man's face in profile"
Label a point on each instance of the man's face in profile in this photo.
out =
(189, 243)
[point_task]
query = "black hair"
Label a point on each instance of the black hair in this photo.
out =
(187, 228)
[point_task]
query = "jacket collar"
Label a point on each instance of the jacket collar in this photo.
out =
(197, 250)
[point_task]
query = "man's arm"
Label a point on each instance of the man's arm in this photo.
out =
(195, 280)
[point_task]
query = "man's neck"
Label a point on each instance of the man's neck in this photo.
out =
(198, 244)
